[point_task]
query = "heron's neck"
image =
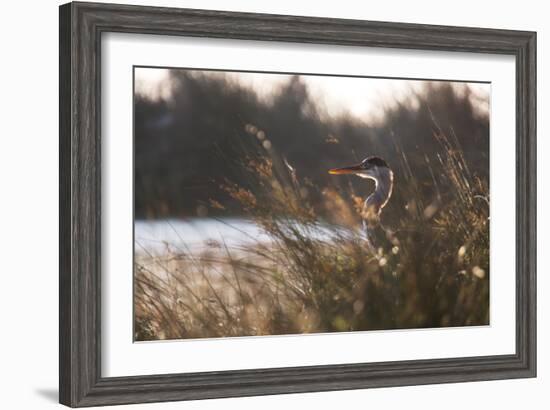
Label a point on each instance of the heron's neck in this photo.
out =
(383, 185)
(383, 179)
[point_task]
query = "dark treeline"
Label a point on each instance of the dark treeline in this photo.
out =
(186, 147)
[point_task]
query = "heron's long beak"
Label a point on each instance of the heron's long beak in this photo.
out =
(346, 170)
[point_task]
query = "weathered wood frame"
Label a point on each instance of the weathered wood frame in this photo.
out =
(81, 27)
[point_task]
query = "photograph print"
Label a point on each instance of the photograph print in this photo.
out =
(294, 203)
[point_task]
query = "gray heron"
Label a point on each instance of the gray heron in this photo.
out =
(376, 169)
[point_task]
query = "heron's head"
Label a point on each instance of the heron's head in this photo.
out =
(371, 167)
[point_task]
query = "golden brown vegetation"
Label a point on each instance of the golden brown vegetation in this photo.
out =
(316, 274)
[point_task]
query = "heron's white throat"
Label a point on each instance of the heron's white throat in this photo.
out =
(383, 180)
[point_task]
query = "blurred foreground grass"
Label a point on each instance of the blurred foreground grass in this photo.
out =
(317, 274)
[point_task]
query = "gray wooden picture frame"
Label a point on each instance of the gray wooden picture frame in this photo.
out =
(81, 27)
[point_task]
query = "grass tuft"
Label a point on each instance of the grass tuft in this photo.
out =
(317, 274)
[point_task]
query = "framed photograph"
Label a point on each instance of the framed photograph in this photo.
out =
(261, 204)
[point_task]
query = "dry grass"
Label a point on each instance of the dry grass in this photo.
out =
(317, 275)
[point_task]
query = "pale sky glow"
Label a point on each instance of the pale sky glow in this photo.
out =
(364, 98)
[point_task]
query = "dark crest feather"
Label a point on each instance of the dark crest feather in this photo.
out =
(374, 161)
